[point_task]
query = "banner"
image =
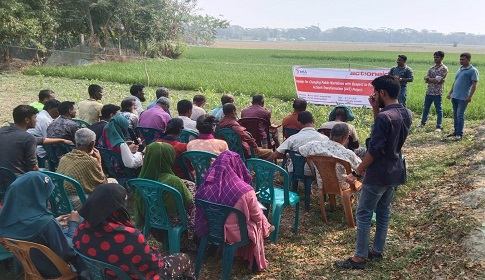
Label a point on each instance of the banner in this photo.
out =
(350, 87)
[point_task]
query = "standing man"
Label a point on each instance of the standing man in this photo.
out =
(44, 95)
(383, 170)
(90, 109)
(461, 93)
(405, 76)
(434, 93)
(139, 94)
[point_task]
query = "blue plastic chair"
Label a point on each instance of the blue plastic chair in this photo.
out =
(287, 132)
(6, 179)
(156, 215)
(81, 123)
(233, 141)
(298, 161)
(188, 135)
(59, 199)
(55, 152)
(148, 134)
(268, 194)
(216, 215)
(113, 164)
(97, 269)
(200, 161)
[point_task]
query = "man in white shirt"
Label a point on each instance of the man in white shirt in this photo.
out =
(139, 94)
(184, 108)
(198, 103)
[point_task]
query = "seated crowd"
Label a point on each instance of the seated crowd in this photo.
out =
(106, 232)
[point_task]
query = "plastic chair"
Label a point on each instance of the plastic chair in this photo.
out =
(216, 215)
(200, 160)
(132, 136)
(188, 135)
(287, 132)
(113, 163)
(81, 123)
(268, 194)
(21, 249)
(326, 167)
(156, 215)
(6, 179)
(149, 134)
(57, 199)
(97, 269)
(298, 161)
(55, 152)
(252, 125)
(233, 141)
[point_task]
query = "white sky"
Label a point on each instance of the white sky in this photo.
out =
(444, 16)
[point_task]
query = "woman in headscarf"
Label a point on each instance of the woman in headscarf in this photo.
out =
(24, 216)
(228, 183)
(113, 138)
(157, 166)
(106, 234)
(175, 126)
(206, 141)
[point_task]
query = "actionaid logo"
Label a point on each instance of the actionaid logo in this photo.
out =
(368, 73)
(300, 71)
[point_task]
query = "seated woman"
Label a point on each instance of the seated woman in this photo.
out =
(113, 138)
(171, 136)
(206, 141)
(158, 162)
(227, 182)
(24, 216)
(106, 234)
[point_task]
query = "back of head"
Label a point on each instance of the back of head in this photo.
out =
(93, 89)
(227, 98)
(174, 126)
(51, 104)
(161, 92)
(127, 103)
(136, 88)
(228, 108)
(44, 94)
(85, 138)
(108, 110)
(305, 117)
(65, 107)
(198, 99)
(183, 107)
(164, 101)
(299, 105)
(258, 99)
(103, 202)
(388, 83)
(205, 124)
(339, 130)
(22, 112)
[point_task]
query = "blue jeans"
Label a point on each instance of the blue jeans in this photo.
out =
(459, 108)
(428, 100)
(377, 199)
(402, 96)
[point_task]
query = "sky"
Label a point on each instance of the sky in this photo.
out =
(443, 16)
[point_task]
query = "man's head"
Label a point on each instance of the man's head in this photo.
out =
(137, 90)
(67, 109)
(386, 89)
(306, 119)
(401, 60)
(465, 59)
(340, 133)
(258, 99)
(341, 113)
(299, 105)
(52, 107)
(108, 111)
(229, 110)
(199, 100)
(128, 105)
(438, 57)
(227, 98)
(25, 115)
(184, 108)
(45, 95)
(165, 103)
(95, 92)
(85, 138)
(162, 92)
(205, 124)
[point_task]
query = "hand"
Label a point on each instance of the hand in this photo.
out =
(449, 96)
(68, 142)
(63, 220)
(96, 154)
(133, 148)
(373, 101)
(74, 217)
(350, 178)
(468, 99)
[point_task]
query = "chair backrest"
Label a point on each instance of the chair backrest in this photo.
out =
(132, 135)
(81, 123)
(55, 152)
(113, 163)
(65, 186)
(149, 134)
(21, 249)
(233, 140)
(326, 167)
(97, 269)
(298, 161)
(325, 131)
(287, 132)
(200, 160)
(263, 180)
(188, 135)
(153, 194)
(252, 126)
(6, 179)
(216, 215)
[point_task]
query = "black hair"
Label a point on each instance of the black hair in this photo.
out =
(389, 84)
(184, 106)
(299, 104)
(467, 55)
(258, 99)
(205, 124)
(127, 103)
(51, 103)
(227, 98)
(403, 57)
(174, 126)
(93, 89)
(109, 109)
(45, 93)
(199, 98)
(135, 89)
(161, 91)
(21, 112)
(65, 107)
(305, 117)
(439, 53)
(228, 108)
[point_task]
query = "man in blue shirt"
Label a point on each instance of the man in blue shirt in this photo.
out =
(461, 93)
(383, 170)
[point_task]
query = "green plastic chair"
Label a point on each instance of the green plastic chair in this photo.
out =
(216, 215)
(148, 134)
(200, 160)
(233, 141)
(188, 135)
(156, 215)
(268, 194)
(59, 199)
(55, 152)
(113, 164)
(81, 123)
(298, 161)
(6, 179)
(97, 269)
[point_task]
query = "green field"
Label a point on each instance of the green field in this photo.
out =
(269, 72)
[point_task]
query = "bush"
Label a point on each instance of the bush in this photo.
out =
(170, 49)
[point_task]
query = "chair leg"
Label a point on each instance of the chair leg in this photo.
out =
(322, 206)
(333, 200)
(200, 256)
(295, 185)
(297, 217)
(227, 259)
(308, 192)
(346, 203)
(275, 221)
(174, 241)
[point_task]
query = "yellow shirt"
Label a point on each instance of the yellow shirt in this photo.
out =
(90, 110)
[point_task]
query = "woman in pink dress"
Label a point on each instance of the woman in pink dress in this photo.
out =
(206, 141)
(227, 183)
